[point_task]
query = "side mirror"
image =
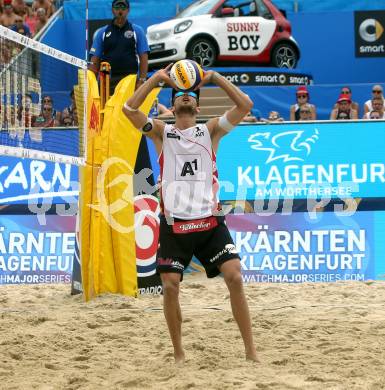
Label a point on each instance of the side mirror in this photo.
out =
(227, 11)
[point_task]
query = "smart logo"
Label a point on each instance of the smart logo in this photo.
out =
(371, 30)
(369, 33)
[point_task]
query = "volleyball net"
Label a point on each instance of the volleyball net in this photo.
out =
(42, 101)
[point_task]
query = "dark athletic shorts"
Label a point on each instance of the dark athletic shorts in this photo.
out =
(211, 247)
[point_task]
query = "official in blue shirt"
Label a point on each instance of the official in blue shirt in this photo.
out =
(123, 45)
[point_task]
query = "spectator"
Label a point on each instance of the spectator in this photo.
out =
(25, 109)
(377, 106)
(47, 100)
(20, 27)
(375, 115)
(305, 112)
(67, 118)
(302, 96)
(70, 108)
(41, 19)
(12, 122)
(8, 17)
(344, 111)
(46, 117)
(21, 9)
(121, 43)
(5, 53)
(46, 4)
(253, 116)
(274, 116)
(250, 118)
(159, 110)
(377, 92)
(347, 91)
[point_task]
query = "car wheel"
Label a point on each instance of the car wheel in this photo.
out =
(202, 51)
(284, 56)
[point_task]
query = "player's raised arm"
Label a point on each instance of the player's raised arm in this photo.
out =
(152, 128)
(243, 104)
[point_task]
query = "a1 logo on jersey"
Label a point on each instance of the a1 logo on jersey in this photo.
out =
(199, 132)
(188, 167)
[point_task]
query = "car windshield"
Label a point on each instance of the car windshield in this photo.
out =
(201, 7)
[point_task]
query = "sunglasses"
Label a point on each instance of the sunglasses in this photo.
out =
(305, 112)
(377, 91)
(120, 6)
(345, 92)
(18, 21)
(302, 96)
(47, 109)
(192, 94)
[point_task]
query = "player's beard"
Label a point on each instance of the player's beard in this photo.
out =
(185, 109)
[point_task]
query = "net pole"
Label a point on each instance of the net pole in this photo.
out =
(85, 91)
(104, 75)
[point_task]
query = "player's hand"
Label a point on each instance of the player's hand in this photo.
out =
(206, 79)
(164, 76)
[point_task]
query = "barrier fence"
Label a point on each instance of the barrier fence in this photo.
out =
(260, 167)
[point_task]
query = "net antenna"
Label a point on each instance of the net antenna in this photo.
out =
(43, 95)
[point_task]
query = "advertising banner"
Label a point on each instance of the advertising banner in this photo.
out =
(26, 181)
(302, 161)
(35, 252)
(369, 29)
(41, 248)
(297, 248)
(255, 77)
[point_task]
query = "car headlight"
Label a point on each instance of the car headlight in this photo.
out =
(156, 35)
(181, 27)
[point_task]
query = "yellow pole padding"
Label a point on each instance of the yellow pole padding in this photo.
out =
(87, 195)
(109, 258)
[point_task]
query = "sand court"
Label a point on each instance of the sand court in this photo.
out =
(308, 336)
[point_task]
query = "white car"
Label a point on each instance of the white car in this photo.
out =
(225, 30)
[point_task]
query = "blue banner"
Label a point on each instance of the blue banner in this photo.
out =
(303, 161)
(26, 181)
(325, 247)
(36, 250)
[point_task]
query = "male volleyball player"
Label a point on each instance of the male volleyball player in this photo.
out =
(190, 221)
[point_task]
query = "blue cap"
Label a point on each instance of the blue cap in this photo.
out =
(123, 2)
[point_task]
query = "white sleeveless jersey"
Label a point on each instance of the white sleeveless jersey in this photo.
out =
(189, 178)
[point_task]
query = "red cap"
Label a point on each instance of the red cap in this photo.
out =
(7, 2)
(344, 98)
(301, 90)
